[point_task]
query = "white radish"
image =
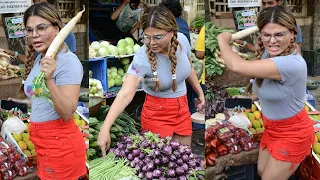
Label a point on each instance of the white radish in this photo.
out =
(244, 33)
(59, 39)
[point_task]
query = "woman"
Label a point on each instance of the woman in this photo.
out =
(163, 64)
(58, 142)
(273, 3)
(280, 85)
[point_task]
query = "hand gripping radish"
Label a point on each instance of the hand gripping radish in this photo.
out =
(244, 33)
(237, 36)
(39, 87)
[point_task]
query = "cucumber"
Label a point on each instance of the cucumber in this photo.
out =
(98, 126)
(113, 130)
(112, 136)
(94, 144)
(91, 130)
(121, 123)
(118, 134)
(93, 121)
(118, 127)
(133, 130)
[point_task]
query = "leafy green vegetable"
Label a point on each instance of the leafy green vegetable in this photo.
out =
(39, 88)
(198, 22)
(213, 67)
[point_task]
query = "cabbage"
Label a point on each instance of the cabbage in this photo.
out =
(113, 75)
(129, 41)
(113, 69)
(120, 72)
(126, 67)
(92, 53)
(104, 43)
(129, 50)
(118, 81)
(111, 83)
(125, 61)
(122, 42)
(103, 51)
(95, 45)
(122, 50)
(113, 50)
(136, 47)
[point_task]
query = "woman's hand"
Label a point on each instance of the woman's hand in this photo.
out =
(104, 139)
(14, 112)
(48, 67)
(224, 37)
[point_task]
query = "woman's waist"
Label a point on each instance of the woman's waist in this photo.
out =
(166, 100)
(300, 116)
(56, 124)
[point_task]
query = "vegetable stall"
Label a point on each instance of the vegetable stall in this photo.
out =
(233, 134)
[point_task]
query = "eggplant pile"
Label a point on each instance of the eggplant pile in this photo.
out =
(154, 157)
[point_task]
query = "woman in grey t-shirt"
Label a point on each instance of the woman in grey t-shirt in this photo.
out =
(280, 86)
(59, 144)
(163, 64)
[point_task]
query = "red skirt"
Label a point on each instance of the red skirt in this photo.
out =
(60, 148)
(289, 139)
(166, 116)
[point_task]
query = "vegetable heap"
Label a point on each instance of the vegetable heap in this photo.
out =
(124, 46)
(8, 71)
(159, 158)
(214, 64)
(95, 87)
(124, 125)
(197, 64)
(111, 168)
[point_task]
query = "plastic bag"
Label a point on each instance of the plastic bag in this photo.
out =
(240, 121)
(14, 125)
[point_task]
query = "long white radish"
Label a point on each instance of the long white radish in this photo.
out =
(61, 36)
(244, 33)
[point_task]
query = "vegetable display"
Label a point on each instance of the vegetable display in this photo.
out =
(123, 47)
(214, 65)
(8, 71)
(124, 125)
(111, 168)
(159, 158)
(11, 162)
(39, 87)
(223, 138)
(95, 87)
(197, 64)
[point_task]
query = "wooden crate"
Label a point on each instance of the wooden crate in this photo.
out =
(68, 9)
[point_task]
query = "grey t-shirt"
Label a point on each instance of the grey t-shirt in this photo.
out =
(69, 70)
(285, 98)
(127, 18)
(141, 67)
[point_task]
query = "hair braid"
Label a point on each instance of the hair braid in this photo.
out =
(30, 61)
(153, 62)
(173, 59)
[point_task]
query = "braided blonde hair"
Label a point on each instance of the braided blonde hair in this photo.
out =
(161, 18)
(278, 15)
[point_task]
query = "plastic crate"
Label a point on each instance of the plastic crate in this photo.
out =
(244, 172)
(98, 66)
(312, 58)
